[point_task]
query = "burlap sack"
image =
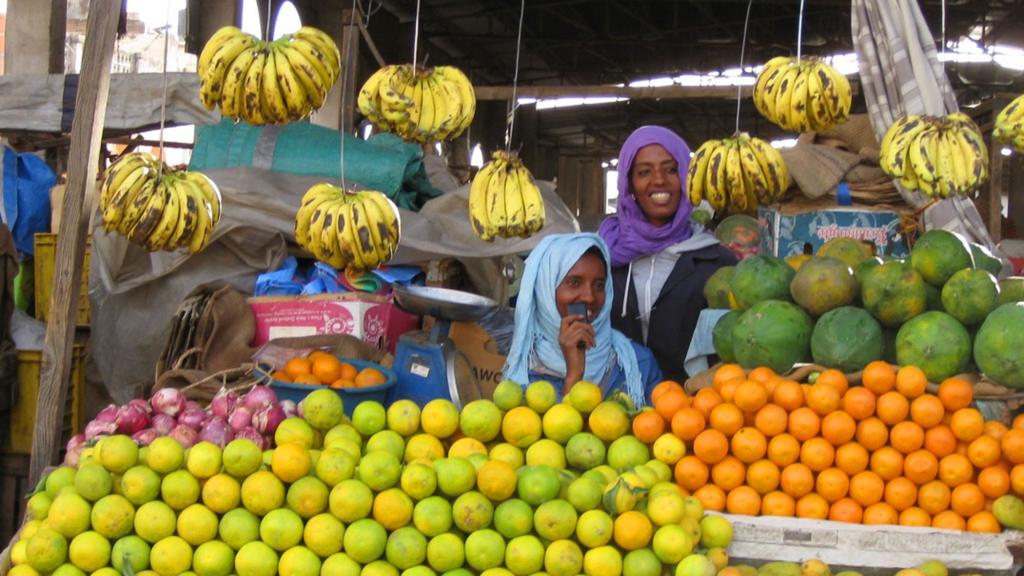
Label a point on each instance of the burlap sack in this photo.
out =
(225, 329)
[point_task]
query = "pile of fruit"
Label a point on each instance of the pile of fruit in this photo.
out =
(504, 200)
(319, 368)
(156, 207)
(885, 452)
(267, 82)
(348, 230)
(937, 156)
(420, 105)
(736, 174)
(519, 485)
(802, 95)
(940, 309)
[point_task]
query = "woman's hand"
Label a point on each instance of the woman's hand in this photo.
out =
(575, 335)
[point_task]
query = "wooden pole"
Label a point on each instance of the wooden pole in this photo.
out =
(86, 129)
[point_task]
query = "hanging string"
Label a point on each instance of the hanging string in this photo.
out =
(515, 81)
(416, 36)
(800, 31)
(743, 47)
(163, 100)
(344, 90)
(943, 27)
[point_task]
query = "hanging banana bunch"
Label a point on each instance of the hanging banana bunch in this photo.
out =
(358, 231)
(1009, 124)
(802, 95)
(158, 210)
(736, 174)
(267, 82)
(504, 200)
(937, 156)
(419, 105)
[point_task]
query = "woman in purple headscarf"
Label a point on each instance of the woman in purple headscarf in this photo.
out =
(660, 258)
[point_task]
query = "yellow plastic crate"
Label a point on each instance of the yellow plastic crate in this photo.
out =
(45, 259)
(23, 416)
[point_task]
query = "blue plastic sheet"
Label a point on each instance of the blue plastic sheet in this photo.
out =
(291, 279)
(27, 181)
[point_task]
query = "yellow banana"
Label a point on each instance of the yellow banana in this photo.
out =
(328, 244)
(894, 159)
(468, 96)
(151, 214)
(133, 206)
(734, 178)
(326, 45)
(204, 227)
(315, 57)
(180, 190)
(312, 83)
(113, 209)
(219, 38)
(974, 160)
(348, 238)
(797, 111)
(773, 168)
(252, 95)
(316, 196)
(368, 98)
(922, 157)
(515, 208)
(533, 202)
(696, 173)
(275, 109)
(211, 193)
(479, 217)
(376, 221)
(496, 198)
(753, 178)
(394, 104)
(784, 96)
(294, 94)
(365, 251)
(161, 233)
(119, 172)
(315, 227)
(212, 82)
(234, 82)
(765, 83)
(715, 191)
(448, 105)
(817, 109)
(389, 217)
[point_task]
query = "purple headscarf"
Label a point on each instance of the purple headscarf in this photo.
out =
(628, 233)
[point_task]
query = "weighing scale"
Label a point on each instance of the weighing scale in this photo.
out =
(428, 365)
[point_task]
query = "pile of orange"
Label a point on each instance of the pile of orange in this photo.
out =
(320, 368)
(885, 452)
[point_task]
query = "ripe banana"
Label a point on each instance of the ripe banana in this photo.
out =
(802, 95)
(1009, 124)
(736, 174)
(347, 230)
(937, 156)
(422, 105)
(504, 200)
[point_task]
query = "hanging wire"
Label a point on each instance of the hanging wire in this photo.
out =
(163, 100)
(344, 89)
(416, 36)
(515, 80)
(743, 47)
(800, 31)
(266, 27)
(943, 27)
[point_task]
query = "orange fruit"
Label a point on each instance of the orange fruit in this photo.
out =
(648, 425)
(921, 467)
(832, 483)
(327, 368)
(343, 383)
(728, 473)
(778, 503)
(911, 381)
(762, 374)
(743, 500)
(927, 410)
(705, 399)
(834, 378)
(1012, 446)
(711, 497)
(967, 500)
(955, 469)
(691, 473)
(846, 510)
(984, 451)
(892, 408)
(726, 418)
(369, 376)
(906, 437)
(710, 446)
(984, 521)
(348, 371)
(812, 506)
(664, 386)
(967, 424)
(281, 375)
(763, 476)
(670, 402)
(933, 497)
(823, 399)
(297, 367)
(956, 393)
(817, 454)
(687, 423)
(772, 383)
(771, 420)
(796, 480)
(852, 458)
(887, 462)
(879, 377)
(789, 395)
(1017, 479)
(750, 396)
(804, 423)
(1018, 421)
(859, 402)
(915, 516)
(749, 444)
(949, 520)
(866, 488)
(997, 430)
(783, 450)
(994, 481)
(880, 513)
(900, 493)
(307, 379)
(872, 434)
(727, 372)
(319, 354)
(838, 428)
(940, 440)
(728, 389)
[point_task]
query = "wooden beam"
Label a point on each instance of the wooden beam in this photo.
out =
(505, 92)
(90, 111)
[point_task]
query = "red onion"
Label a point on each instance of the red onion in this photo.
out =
(99, 428)
(217, 432)
(162, 423)
(290, 408)
(241, 417)
(131, 419)
(193, 405)
(145, 437)
(168, 401)
(72, 456)
(258, 397)
(266, 419)
(139, 402)
(76, 442)
(192, 418)
(223, 403)
(184, 435)
(108, 414)
(250, 433)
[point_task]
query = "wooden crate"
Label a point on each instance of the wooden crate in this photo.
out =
(44, 262)
(23, 415)
(13, 489)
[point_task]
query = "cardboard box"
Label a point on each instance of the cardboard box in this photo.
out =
(793, 228)
(372, 318)
(479, 349)
(871, 549)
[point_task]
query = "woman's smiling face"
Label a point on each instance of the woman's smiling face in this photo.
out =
(655, 183)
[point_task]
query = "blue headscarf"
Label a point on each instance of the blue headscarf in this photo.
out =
(537, 320)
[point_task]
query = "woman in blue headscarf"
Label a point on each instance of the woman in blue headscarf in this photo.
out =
(556, 341)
